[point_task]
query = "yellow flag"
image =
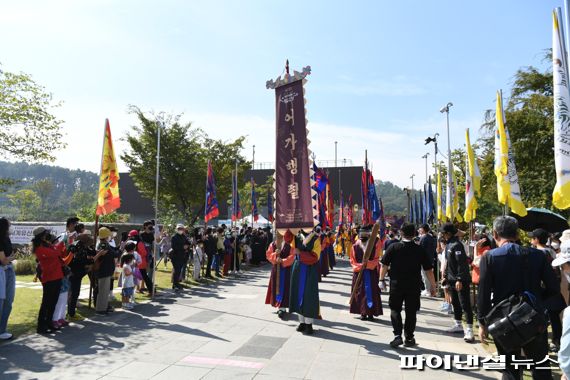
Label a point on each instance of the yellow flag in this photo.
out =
(108, 199)
(508, 187)
(440, 211)
(472, 181)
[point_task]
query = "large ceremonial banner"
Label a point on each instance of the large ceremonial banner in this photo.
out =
(293, 194)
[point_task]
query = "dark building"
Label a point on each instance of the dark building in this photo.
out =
(133, 202)
(140, 208)
(348, 177)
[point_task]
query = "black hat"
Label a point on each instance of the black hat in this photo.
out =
(539, 233)
(448, 228)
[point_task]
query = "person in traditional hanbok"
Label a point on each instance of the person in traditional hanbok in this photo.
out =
(366, 300)
(304, 294)
(281, 255)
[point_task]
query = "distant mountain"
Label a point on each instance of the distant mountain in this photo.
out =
(393, 198)
(55, 185)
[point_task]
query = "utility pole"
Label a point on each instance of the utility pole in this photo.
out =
(426, 157)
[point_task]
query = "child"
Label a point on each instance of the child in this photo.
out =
(128, 280)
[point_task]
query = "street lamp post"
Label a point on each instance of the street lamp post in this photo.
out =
(426, 157)
(412, 177)
(335, 151)
(448, 200)
(159, 126)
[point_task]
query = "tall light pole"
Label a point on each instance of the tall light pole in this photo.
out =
(445, 109)
(448, 200)
(412, 177)
(335, 156)
(253, 159)
(426, 157)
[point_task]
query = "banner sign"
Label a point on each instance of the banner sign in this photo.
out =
(22, 233)
(293, 194)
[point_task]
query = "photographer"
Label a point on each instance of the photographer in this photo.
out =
(105, 268)
(83, 250)
(50, 262)
(180, 245)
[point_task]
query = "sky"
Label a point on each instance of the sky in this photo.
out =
(381, 70)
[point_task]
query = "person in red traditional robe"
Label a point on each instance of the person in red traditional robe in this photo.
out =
(366, 300)
(281, 255)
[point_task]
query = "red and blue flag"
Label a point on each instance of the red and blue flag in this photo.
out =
(211, 210)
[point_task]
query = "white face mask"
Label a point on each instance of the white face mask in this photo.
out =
(555, 246)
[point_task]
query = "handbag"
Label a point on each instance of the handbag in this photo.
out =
(516, 321)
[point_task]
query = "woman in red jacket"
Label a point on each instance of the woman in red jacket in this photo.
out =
(51, 263)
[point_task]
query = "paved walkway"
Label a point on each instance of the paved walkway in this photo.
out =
(225, 331)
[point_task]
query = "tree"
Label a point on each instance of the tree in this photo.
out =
(43, 188)
(529, 115)
(27, 202)
(184, 153)
(29, 131)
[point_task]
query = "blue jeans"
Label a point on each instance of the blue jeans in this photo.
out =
(6, 303)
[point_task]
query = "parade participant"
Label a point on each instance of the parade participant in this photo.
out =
(281, 255)
(324, 258)
(304, 294)
(405, 261)
(330, 248)
(366, 300)
(457, 276)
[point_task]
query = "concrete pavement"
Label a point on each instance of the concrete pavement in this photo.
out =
(225, 331)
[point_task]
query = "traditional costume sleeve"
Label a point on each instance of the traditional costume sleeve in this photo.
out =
(356, 266)
(271, 253)
(288, 261)
(373, 264)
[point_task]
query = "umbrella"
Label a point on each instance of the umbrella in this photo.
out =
(542, 218)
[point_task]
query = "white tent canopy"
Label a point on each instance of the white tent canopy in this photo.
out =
(261, 221)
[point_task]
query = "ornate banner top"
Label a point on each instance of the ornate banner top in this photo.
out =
(288, 78)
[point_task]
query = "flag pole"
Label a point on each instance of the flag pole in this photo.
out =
(236, 213)
(155, 245)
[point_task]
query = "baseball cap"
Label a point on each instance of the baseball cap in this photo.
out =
(448, 228)
(38, 231)
(539, 233)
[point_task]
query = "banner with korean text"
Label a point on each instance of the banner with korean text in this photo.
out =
(293, 185)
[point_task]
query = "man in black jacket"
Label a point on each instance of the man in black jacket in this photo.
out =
(180, 245)
(458, 279)
(503, 273)
(428, 242)
(211, 248)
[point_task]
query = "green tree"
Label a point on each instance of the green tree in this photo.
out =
(43, 188)
(29, 131)
(529, 115)
(27, 202)
(184, 153)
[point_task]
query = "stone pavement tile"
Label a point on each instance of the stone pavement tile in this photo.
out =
(329, 365)
(184, 343)
(224, 374)
(219, 347)
(181, 372)
(162, 356)
(139, 370)
(260, 346)
(378, 363)
(364, 374)
(456, 347)
(293, 368)
(340, 347)
(215, 355)
(203, 316)
(428, 374)
(260, 376)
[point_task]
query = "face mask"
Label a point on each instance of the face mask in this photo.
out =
(179, 232)
(555, 246)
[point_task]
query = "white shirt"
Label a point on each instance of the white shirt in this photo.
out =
(128, 280)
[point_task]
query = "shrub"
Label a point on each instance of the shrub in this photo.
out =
(25, 266)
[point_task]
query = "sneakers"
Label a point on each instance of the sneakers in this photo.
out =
(127, 306)
(396, 342)
(63, 323)
(5, 336)
(411, 342)
(426, 293)
(468, 337)
(455, 329)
